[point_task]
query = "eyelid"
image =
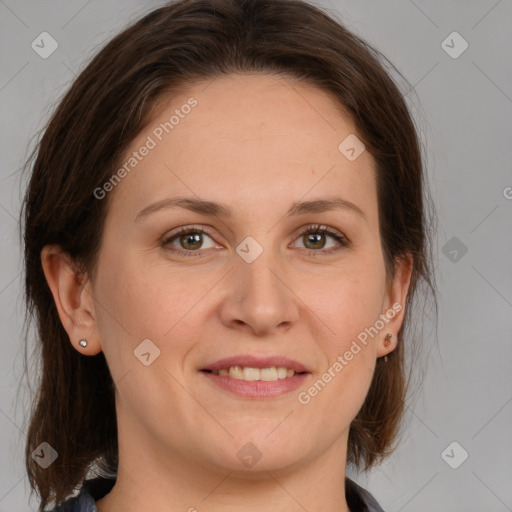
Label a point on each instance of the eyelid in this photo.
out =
(341, 239)
(192, 228)
(322, 228)
(188, 227)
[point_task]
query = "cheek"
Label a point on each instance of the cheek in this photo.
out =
(350, 308)
(140, 299)
(345, 375)
(138, 305)
(352, 301)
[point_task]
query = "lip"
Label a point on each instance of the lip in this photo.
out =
(257, 362)
(258, 388)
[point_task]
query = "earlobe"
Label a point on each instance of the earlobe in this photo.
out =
(387, 343)
(73, 300)
(394, 304)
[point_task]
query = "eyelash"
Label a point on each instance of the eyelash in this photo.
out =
(316, 228)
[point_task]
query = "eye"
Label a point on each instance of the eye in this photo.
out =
(313, 237)
(190, 239)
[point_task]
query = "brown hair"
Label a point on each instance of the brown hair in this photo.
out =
(107, 106)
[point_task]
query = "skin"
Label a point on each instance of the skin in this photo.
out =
(256, 143)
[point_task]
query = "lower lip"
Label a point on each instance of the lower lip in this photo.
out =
(257, 388)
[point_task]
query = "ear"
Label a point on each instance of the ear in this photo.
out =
(393, 305)
(73, 298)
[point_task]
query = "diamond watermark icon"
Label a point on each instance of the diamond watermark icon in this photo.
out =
(249, 455)
(147, 352)
(44, 455)
(44, 45)
(454, 455)
(249, 249)
(454, 45)
(351, 147)
(454, 249)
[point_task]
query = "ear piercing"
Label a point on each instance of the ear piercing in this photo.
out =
(387, 342)
(83, 342)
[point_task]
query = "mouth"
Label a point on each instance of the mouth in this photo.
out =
(251, 374)
(252, 377)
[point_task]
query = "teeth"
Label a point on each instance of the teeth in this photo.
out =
(252, 374)
(268, 374)
(236, 372)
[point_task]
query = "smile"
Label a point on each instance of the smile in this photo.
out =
(251, 374)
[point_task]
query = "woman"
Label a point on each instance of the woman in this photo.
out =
(224, 237)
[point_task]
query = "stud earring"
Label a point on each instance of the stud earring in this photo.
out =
(387, 342)
(83, 342)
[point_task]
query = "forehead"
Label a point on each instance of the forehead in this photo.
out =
(246, 139)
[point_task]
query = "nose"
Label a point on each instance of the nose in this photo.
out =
(257, 297)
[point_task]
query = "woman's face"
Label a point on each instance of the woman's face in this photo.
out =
(261, 287)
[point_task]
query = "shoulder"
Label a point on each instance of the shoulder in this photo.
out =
(81, 503)
(85, 501)
(359, 499)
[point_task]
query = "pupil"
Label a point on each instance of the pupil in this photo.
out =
(195, 239)
(317, 237)
(191, 238)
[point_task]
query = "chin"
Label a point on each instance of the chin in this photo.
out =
(254, 458)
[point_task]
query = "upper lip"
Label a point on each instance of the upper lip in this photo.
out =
(256, 362)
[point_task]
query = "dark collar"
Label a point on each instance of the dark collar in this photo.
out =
(357, 497)
(99, 487)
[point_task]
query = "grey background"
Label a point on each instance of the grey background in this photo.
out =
(463, 108)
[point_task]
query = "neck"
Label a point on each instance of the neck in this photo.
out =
(148, 480)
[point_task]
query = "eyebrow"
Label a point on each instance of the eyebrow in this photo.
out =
(215, 209)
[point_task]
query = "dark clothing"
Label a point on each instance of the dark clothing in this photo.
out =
(358, 498)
